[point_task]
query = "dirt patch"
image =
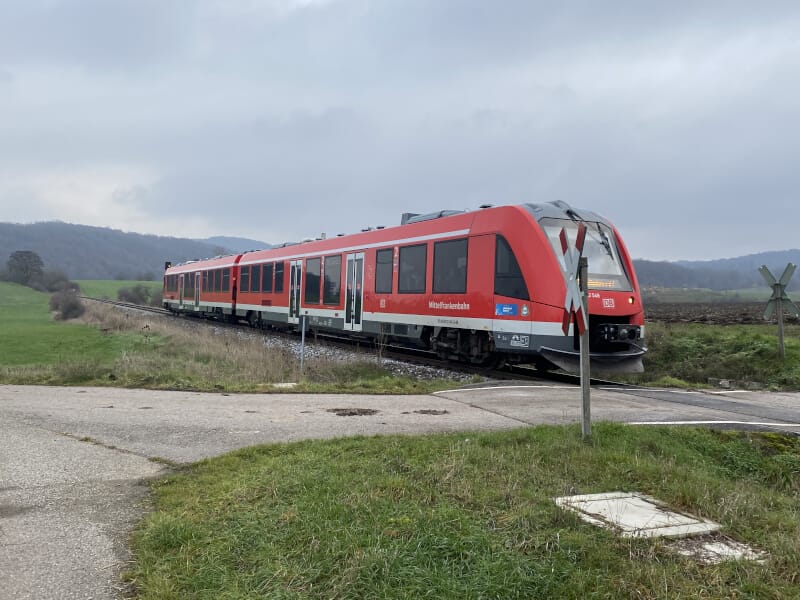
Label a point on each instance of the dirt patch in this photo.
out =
(431, 411)
(353, 412)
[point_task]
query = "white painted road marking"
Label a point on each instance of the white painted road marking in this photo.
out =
(753, 423)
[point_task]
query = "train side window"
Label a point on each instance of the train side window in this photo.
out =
(279, 277)
(508, 279)
(411, 278)
(383, 271)
(218, 280)
(226, 280)
(333, 280)
(266, 280)
(244, 279)
(450, 267)
(312, 281)
(255, 278)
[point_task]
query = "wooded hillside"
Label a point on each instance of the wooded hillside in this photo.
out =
(84, 252)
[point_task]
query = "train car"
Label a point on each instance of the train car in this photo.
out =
(480, 286)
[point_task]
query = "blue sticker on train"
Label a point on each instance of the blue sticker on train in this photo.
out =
(505, 310)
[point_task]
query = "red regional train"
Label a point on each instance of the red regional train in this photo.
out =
(481, 286)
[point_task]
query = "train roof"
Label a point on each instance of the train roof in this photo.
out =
(560, 209)
(413, 227)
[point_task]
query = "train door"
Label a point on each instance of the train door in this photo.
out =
(513, 321)
(295, 289)
(355, 291)
(197, 289)
(180, 290)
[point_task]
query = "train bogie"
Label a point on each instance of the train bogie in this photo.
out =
(481, 286)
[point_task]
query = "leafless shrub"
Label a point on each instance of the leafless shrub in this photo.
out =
(66, 305)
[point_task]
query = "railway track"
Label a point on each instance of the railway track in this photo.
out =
(139, 307)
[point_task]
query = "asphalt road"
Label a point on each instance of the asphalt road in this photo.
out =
(74, 462)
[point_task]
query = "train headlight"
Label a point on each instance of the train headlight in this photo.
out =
(631, 300)
(628, 333)
(618, 333)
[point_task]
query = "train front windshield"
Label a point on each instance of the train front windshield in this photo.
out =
(606, 271)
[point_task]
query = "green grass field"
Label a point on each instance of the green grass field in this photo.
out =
(31, 337)
(94, 288)
(469, 516)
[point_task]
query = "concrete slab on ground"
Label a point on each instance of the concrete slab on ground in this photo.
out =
(635, 515)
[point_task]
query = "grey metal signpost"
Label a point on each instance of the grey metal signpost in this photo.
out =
(779, 301)
(576, 303)
(586, 410)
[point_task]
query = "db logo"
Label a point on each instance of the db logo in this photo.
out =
(608, 303)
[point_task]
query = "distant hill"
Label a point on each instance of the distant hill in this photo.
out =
(719, 274)
(235, 244)
(773, 260)
(84, 252)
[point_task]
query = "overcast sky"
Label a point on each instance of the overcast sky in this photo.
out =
(282, 119)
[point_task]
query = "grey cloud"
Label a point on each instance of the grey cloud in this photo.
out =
(344, 114)
(92, 33)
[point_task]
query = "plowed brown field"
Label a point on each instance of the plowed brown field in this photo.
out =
(712, 313)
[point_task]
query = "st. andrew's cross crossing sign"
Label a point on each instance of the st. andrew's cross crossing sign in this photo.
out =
(573, 302)
(779, 301)
(779, 296)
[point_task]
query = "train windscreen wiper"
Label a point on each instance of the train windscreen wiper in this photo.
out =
(605, 241)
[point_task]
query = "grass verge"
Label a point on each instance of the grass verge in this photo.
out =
(468, 516)
(690, 354)
(129, 349)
